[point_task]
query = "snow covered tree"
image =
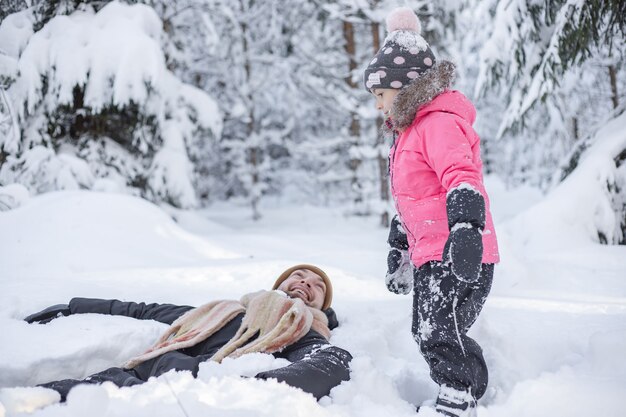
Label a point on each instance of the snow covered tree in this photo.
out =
(529, 63)
(97, 106)
(558, 66)
(364, 31)
(363, 155)
(277, 78)
(245, 37)
(533, 44)
(8, 7)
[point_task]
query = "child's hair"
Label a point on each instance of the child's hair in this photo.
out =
(404, 56)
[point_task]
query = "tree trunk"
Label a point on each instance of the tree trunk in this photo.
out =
(355, 128)
(383, 168)
(613, 77)
(252, 151)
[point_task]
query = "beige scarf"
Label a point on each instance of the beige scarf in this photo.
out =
(278, 320)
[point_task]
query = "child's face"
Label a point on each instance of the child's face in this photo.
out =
(384, 99)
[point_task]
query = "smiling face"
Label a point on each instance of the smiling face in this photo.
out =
(305, 285)
(384, 99)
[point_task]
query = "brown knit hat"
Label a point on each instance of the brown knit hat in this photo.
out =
(329, 287)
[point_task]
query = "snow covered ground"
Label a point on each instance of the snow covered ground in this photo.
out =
(553, 329)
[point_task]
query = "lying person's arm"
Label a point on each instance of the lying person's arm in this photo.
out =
(165, 313)
(317, 365)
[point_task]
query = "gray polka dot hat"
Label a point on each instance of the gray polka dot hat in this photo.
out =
(404, 56)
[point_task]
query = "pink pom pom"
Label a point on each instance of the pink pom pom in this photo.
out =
(403, 18)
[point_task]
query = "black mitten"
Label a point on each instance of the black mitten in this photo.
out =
(48, 314)
(332, 318)
(399, 278)
(466, 220)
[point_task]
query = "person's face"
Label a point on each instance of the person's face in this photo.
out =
(305, 285)
(384, 99)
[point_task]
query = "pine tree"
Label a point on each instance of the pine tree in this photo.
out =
(8, 7)
(248, 38)
(100, 114)
(559, 66)
(535, 43)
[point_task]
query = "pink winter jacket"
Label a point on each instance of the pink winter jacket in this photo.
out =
(437, 152)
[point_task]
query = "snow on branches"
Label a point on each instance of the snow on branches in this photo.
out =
(102, 77)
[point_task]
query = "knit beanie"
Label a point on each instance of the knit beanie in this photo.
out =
(404, 56)
(328, 298)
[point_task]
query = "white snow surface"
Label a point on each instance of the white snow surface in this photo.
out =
(553, 329)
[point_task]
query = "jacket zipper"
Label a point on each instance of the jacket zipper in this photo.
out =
(392, 157)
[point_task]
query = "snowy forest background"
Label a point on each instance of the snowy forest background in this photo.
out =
(246, 123)
(190, 102)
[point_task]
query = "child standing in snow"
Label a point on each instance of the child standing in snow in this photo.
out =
(443, 243)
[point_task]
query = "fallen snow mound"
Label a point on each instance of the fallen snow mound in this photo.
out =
(127, 232)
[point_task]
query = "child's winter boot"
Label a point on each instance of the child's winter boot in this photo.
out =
(454, 403)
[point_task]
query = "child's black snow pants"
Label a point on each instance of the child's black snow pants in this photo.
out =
(444, 308)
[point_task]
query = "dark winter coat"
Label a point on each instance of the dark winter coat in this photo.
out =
(316, 366)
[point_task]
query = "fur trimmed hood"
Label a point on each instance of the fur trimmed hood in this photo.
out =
(421, 91)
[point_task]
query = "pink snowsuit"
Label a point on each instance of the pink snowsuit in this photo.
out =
(439, 151)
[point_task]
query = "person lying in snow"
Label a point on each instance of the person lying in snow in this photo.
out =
(293, 322)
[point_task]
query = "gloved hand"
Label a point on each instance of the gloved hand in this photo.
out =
(466, 220)
(399, 278)
(48, 314)
(464, 251)
(332, 318)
